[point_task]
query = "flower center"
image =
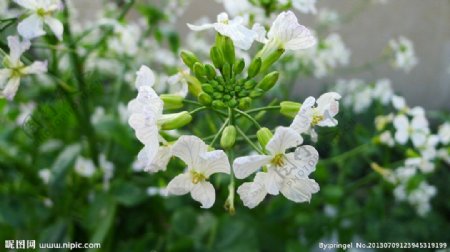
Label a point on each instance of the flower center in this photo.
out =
(42, 12)
(316, 118)
(197, 177)
(278, 160)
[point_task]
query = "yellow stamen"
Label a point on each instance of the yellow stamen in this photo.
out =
(278, 160)
(197, 177)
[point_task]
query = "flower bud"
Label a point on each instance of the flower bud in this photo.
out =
(216, 57)
(239, 66)
(264, 135)
(218, 104)
(210, 71)
(245, 103)
(232, 103)
(199, 71)
(269, 81)
(194, 85)
(228, 51)
(228, 137)
(189, 58)
(175, 120)
(272, 58)
(204, 99)
(208, 88)
(250, 84)
(172, 101)
(290, 109)
(256, 93)
(254, 67)
(226, 71)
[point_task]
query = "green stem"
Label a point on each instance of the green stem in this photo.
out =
(197, 110)
(78, 68)
(348, 154)
(248, 140)
(192, 103)
(249, 117)
(263, 109)
(225, 124)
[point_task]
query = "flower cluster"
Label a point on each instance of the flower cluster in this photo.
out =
(228, 87)
(403, 54)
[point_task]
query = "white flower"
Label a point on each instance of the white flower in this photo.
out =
(234, 29)
(404, 54)
(386, 138)
(15, 69)
(288, 34)
(328, 17)
(421, 196)
(201, 164)
(154, 191)
(41, 12)
(423, 164)
(444, 133)
(84, 167)
(383, 91)
(45, 175)
(321, 115)
(108, 170)
(399, 103)
(416, 130)
(286, 172)
(26, 110)
(329, 54)
(305, 6)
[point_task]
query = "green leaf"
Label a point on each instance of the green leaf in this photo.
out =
(61, 166)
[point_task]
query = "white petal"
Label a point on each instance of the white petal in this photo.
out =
(56, 26)
(11, 88)
(200, 27)
(162, 158)
(284, 138)
(252, 193)
(401, 122)
(147, 102)
(17, 48)
(242, 36)
(38, 67)
(300, 163)
(303, 119)
(145, 77)
(261, 32)
(148, 156)
(188, 149)
(272, 180)
(244, 166)
(4, 76)
(27, 4)
(214, 162)
(401, 136)
(204, 193)
(180, 185)
(419, 139)
(145, 128)
(31, 27)
(299, 190)
(419, 123)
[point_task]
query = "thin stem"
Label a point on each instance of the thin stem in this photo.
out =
(249, 117)
(248, 140)
(263, 109)
(347, 154)
(225, 124)
(192, 103)
(197, 110)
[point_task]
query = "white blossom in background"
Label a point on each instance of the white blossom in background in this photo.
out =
(242, 36)
(201, 164)
(3, 8)
(26, 110)
(421, 196)
(14, 69)
(288, 34)
(327, 17)
(444, 133)
(417, 129)
(107, 168)
(320, 112)
(286, 172)
(45, 175)
(387, 138)
(84, 167)
(304, 6)
(404, 56)
(40, 13)
(125, 37)
(383, 91)
(157, 191)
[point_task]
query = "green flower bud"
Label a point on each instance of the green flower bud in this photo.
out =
(237, 88)
(220, 88)
(269, 81)
(228, 51)
(272, 58)
(245, 103)
(175, 121)
(210, 71)
(220, 40)
(208, 88)
(240, 82)
(239, 66)
(220, 80)
(249, 84)
(290, 109)
(172, 101)
(205, 99)
(243, 93)
(226, 71)
(194, 85)
(254, 68)
(264, 135)
(228, 138)
(189, 58)
(217, 95)
(199, 70)
(232, 103)
(256, 93)
(218, 104)
(217, 57)
(226, 97)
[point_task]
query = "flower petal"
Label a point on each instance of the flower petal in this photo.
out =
(284, 138)
(244, 166)
(145, 77)
(38, 67)
(299, 190)
(17, 48)
(56, 26)
(11, 88)
(214, 162)
(200, 27)
(180, 185)
(5, 74)
(300, 163)
(303, 119)
(31, 27)
(188, 149)
(253, 193)
(204, 193)
(145, 128)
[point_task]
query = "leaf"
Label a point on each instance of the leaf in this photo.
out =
(60, 167)
(127, 194)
